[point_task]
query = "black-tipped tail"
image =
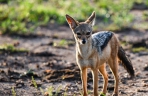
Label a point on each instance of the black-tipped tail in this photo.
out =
(126, 62)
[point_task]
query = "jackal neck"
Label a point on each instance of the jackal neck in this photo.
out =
(84, 50)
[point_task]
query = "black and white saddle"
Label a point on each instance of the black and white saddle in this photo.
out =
(100, 40)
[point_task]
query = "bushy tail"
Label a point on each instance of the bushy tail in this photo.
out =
(126, 61)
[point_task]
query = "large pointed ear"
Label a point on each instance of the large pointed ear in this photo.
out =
(91, 19)
(72, 23)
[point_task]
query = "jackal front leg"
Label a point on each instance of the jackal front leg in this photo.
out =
(84, 81)
(95, 81)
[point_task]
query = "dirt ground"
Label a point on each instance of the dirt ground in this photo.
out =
(55, 66)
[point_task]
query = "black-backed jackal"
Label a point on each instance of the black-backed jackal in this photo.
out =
(94, 51)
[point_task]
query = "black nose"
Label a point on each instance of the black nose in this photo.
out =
(83, 41)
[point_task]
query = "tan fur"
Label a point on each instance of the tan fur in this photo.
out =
(88, 57)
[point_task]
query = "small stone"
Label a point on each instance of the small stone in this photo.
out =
(142, 90)
(126, 75)
(19, 84)
(37, 66)
(139, 60)
(46, 94)
(145, 85)
(122, 92)
(146, 67)
(137, 74)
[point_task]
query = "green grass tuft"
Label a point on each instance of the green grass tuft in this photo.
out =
(139, 49)
(50, 90)
(13, 91)
(11, 48)
(34, 82)
(102, 94)
(61, 43)
(23, 16)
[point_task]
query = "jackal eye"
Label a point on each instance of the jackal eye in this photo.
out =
(78, 33)
(88, 33)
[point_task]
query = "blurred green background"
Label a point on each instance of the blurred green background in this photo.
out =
(23, 16)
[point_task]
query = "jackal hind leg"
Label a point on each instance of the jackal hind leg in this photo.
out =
(103, 72)
(113, 63)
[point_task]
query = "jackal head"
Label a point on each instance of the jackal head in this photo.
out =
(82, 30)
